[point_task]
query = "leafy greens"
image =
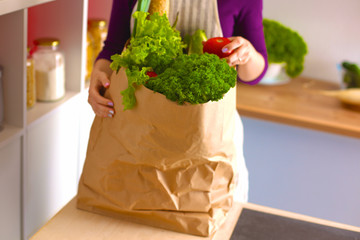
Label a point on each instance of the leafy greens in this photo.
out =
(285, 45)
(155, 44)
(195, 78)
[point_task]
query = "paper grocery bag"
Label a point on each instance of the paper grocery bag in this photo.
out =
(161, 163)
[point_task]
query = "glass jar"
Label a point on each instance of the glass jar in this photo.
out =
(30, 82)
(2, 106)
(49, 68)
(96, 35)
(89, 55)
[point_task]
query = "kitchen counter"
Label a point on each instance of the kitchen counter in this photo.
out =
(298, 103)
(250, 221)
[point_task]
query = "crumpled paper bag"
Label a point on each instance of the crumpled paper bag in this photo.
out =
(162, 164)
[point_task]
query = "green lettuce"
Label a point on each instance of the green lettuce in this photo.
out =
(135, 78)
(155, 45)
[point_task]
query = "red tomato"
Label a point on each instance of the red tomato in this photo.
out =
(151, 74)
(215, 45)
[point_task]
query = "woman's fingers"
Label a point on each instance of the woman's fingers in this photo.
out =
(104, 80)
(241, 51)
(241, 56)
(235, 43)
(101, 106)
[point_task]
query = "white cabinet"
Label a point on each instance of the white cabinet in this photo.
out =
(51, 167)
(86, 119)
(47, 143)
(10, 188)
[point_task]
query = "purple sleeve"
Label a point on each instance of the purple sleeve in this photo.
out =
(118, 30)
(244, 18)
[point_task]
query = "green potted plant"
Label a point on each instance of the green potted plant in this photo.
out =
(286, 51)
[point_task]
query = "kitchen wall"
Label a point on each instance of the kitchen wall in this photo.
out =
(100, 9)
(330, 28)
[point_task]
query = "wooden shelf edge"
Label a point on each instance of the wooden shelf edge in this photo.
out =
(299, 103)
(304, 122)
(13, 6)
(9, 133)
(42, 109)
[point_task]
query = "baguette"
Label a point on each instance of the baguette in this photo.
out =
(348, 96)
(160, 6)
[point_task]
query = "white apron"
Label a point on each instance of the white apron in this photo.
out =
(203, 14)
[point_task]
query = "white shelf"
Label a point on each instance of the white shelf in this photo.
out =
(8, 6)
(41, 109)
(9, 133)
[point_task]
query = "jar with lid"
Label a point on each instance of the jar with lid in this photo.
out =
(1, 100)
(30, 82)
(89, 55)
(49, 68)
(96, 35)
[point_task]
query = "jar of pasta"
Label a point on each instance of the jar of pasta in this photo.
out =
(49, 68)
(1, 100)
(96, 35)
(30, 82)
(89, 55)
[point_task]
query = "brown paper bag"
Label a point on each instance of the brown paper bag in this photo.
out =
(161, 164)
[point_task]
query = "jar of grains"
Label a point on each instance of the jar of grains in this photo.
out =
(89, 55)
(1, 100)
(30, 82)
(49, 70)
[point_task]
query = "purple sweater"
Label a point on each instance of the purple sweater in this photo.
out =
(237, 18)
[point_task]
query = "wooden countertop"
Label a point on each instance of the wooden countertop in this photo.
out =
(74, 224)
(298, 103)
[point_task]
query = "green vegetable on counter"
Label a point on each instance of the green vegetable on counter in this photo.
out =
(195, 78)
(351, 75)
(284, 46)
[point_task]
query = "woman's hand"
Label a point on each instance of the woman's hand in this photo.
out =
(249, 61)
(99, 81)
(241, 49)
